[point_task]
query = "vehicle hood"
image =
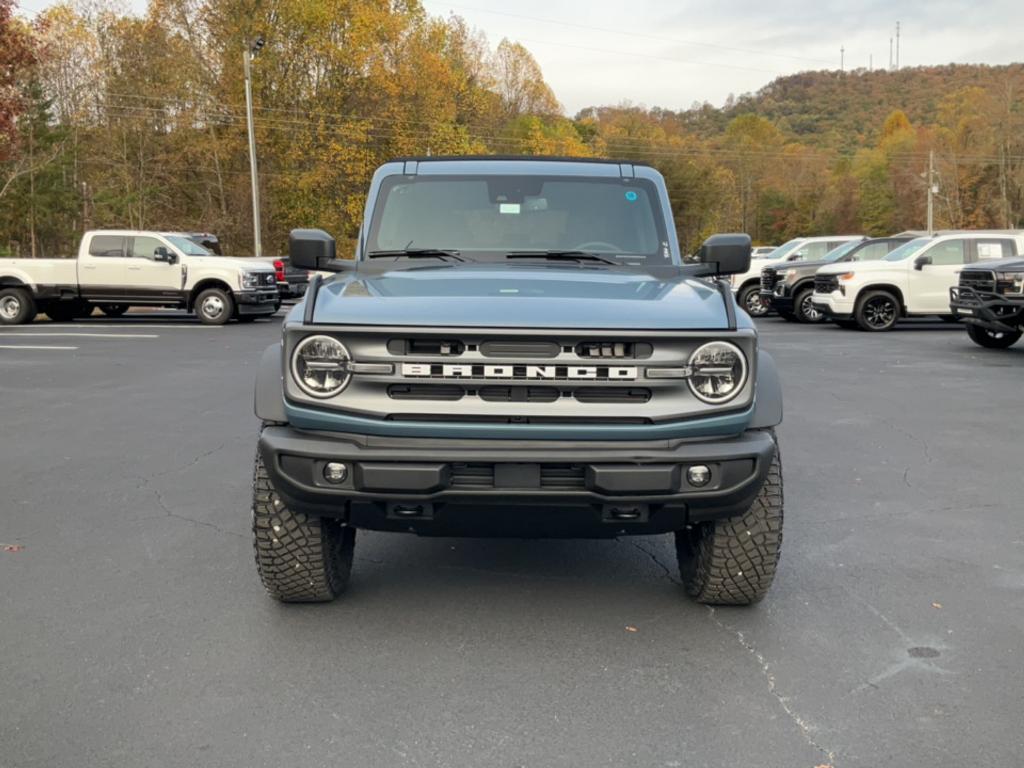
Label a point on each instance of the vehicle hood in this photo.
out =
(229, 262)
(861, 267)
(997, 265)
(521, 296)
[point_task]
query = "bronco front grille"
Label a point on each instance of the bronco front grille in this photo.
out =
(769, 277)
(544, 476)
(515, 376)
(826, 283)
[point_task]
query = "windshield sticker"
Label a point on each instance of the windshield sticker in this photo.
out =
(512, 208)
(632, 196)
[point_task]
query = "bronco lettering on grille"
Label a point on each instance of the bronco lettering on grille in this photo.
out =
(436, 370)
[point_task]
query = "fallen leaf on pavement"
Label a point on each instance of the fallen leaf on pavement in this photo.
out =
(936, 605)
(630, 628)
(12, 547)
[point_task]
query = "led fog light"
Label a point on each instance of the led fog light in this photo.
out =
(335, 472)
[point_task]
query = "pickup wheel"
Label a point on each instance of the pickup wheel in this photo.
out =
(750, 299)
(992, 339)
(877, 311)
(214, 306)
(16, 306)
(113, 310)
(805, 311)
(300, 559)
(733, 561)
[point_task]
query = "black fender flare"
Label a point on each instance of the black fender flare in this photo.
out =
(768, 394)
(269, 395)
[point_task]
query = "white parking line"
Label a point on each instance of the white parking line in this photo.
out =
(24, 334)
(29, 346)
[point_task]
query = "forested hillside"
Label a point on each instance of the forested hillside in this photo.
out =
(114, 120)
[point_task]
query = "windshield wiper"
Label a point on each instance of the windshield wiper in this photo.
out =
(418, 253)
(560, 255)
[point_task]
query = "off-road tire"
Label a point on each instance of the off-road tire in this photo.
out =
(113, 310)
(992, 339)
(743, 298)
(17, 306)
(733, 561)
(869, 312)
(300, 558)
(215, 297)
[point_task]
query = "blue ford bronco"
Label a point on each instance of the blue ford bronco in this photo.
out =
(517, 349)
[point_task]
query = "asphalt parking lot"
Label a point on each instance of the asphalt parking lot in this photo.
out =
(134, 631)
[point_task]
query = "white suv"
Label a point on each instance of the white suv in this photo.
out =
(912, 280)
(748, 285)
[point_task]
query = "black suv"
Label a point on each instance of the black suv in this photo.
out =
(990, 300)
(788, 287)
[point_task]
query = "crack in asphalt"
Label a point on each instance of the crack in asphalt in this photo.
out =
(143, 485)
(806, 728)
(654, 557)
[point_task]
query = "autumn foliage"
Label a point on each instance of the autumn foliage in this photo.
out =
(113, 120)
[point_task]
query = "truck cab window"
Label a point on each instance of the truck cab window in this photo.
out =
(947, 253)
(145, 247)
(107, 246)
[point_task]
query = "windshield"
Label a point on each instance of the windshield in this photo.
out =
(907, 249)
(188, 247)
(838, 253)
(487, 217)
(785, 249)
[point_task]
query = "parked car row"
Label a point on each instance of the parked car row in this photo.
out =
(119, 269)
(873, 284)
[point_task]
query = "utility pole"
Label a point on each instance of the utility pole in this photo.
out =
(932, 189)
(251, 51)
(871, 62)
(890, 54)
(842, 59)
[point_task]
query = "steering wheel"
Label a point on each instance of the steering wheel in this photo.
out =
(599, 245)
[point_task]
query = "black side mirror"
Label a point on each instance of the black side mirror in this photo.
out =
(727, 254)
(313, 249)
(163, 254)
(921, 261)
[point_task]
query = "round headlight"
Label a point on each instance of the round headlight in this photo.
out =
(320, 366)
(719, 371)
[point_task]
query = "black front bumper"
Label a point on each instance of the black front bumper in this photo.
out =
(521, 488)
(779, 302)
(1004, 314)
(263, 301)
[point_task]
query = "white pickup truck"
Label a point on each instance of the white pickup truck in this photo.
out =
(118, 269)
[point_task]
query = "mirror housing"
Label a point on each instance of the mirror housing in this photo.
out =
(921, 261)
(313, 249)
(726, 254)
(165, 255)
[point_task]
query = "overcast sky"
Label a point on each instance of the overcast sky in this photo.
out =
(670, 54)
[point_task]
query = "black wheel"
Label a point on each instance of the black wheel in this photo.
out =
(214, 306)
(65, 311)
(805, 311)
(300, 559)
(733, 561)
(877, 311)
(992, 339)
(113, 310)
(849, 325)
(750, 299)
(16, 306)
